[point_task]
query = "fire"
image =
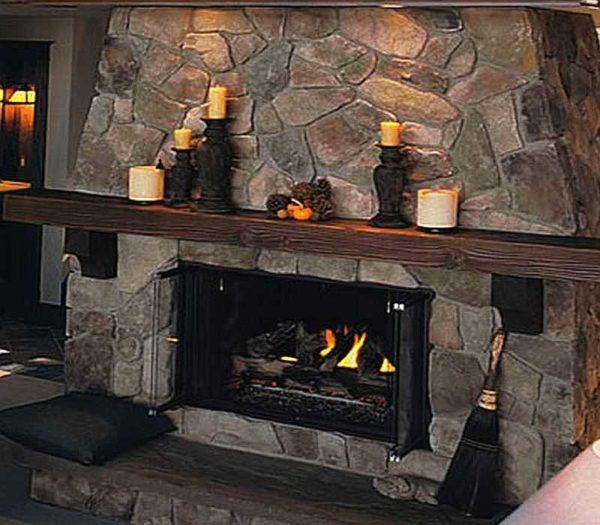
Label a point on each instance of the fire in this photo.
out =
(289, 359)
(387, 367)
(330, 340)
(351, 358)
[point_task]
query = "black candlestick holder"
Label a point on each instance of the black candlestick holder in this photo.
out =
(212, 183)
(389, 184)
(178, 181)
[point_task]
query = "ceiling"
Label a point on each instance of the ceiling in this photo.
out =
(13, 7)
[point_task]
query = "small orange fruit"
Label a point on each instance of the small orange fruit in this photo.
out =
(303, 214)
(282, 214)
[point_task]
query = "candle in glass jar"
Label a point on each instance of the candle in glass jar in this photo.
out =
(182, 138)
(217, 102)
(390, 133)
(437, 209)
(146, 184)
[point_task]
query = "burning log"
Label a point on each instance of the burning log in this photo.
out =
(370, 359)
(343, 343)
(280, 341)
(261, 367)
(308, 345)
(351, 351)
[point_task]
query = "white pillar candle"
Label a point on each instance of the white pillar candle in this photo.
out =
(146, 184)
(437, 209)
(182, 138)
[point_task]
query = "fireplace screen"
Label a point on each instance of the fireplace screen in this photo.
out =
(344, 357)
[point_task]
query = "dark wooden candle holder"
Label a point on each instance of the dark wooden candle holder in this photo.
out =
(212, 183)
(389, 184)
(178, 180)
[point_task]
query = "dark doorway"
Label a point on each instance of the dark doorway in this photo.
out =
(23, 86)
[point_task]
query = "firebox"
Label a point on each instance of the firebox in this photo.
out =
(346, 357)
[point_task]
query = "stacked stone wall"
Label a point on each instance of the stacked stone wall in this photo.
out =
(494, 102)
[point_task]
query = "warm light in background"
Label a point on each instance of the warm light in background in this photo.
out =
(17, 121)
(23, 95)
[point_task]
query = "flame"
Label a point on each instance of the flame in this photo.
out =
(289, 359)
(387, 367)
(330, 340)
(351, 358)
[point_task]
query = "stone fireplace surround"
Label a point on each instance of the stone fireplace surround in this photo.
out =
(110, 351)
(500, 104)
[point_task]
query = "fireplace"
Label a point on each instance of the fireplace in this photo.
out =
(311, 87)
(347, 357)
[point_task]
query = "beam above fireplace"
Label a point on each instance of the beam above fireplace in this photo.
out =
(522, 255)
(397, 3)
(586, 6)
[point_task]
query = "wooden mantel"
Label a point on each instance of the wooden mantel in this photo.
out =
(473, 250)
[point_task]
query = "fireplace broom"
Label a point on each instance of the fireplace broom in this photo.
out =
(470, 484)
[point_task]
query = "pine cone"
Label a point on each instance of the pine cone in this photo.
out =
(303, 191)
(323, 187)
(323, 207)
(277, 201)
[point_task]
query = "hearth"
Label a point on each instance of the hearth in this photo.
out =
(345, 357)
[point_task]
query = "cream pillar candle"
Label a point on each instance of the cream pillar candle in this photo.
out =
(437, 209)
(182, 138)
(390, 133)
(217, 102)
(146, 184)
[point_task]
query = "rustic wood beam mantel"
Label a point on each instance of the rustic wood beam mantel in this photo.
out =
(522, 255)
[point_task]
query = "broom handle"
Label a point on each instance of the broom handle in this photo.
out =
(497, 347)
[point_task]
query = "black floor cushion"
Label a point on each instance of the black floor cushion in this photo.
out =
(88, 428)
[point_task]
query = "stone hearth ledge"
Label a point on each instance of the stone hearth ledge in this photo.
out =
(177, 482)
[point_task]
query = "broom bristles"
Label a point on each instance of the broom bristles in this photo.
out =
(470, 483)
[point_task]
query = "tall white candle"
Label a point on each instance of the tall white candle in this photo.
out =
(146, 184)
(437, 209)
